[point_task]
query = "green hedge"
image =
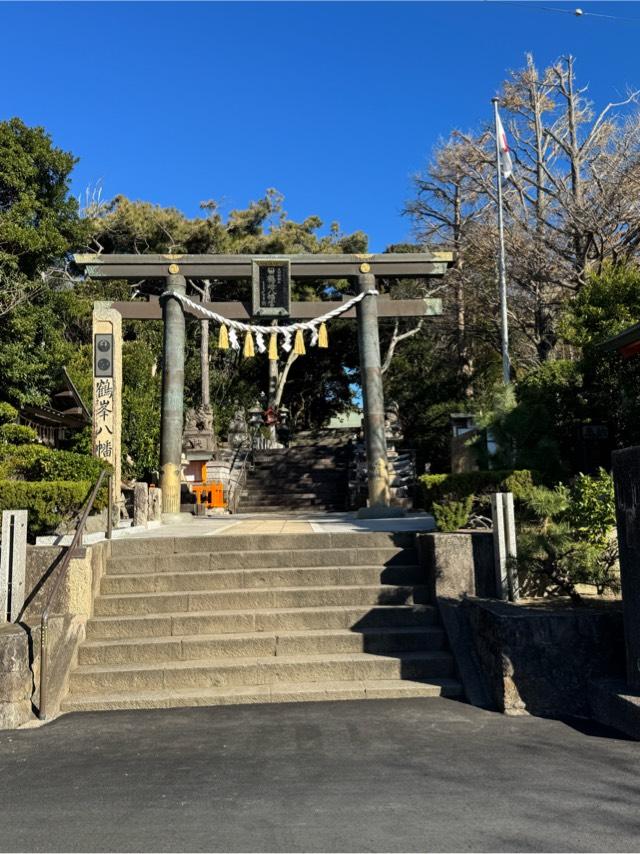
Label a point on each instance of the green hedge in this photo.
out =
(437, 488)
(8, 413)
(67, 465)
(48, 503)
(17, 434)
(39, 463)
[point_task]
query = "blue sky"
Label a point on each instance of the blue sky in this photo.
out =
(334, 104)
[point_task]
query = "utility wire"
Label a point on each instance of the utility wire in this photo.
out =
(578, 12)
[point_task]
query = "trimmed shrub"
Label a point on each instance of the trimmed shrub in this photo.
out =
(39, 463)
(48, 504)
(18, 461)
(66, 465)
(521, 483)
(452, 515)
(17, 434)
(8, 413)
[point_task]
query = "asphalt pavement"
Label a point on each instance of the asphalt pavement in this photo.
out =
(387, 775)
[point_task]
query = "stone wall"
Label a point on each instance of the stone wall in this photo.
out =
(540, 659)
(459, 564)
(16, 677)
(70, 609)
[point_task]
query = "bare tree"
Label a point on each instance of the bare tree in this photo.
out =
(448, 202)
(571, 206)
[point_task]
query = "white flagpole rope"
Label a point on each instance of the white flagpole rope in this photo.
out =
(235, 326)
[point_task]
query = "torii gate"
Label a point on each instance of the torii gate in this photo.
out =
(174, 270)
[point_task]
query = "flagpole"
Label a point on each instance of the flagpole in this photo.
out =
(502, 271)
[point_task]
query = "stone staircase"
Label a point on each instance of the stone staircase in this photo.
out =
(204, 621)
(300, 478)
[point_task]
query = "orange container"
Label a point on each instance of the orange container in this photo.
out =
(211, 494)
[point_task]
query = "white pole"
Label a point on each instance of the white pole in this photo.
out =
(511, 544)
(499, 547)
(502, 271)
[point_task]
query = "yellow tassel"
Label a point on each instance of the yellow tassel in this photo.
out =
(248, 345)
(323, 338)
(223, 338)
(298, 344)
(273, 347)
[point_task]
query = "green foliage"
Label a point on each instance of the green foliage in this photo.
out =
(140, 409)
(592, 507)
(452, 514)
(37, 338)
(607, 304)
(17, 434)
(48, 504)
(38, 463)
(435, 487)
(66, 465)
(39, 219)
(17, 463)
(262, 228)
(536, 427)
(8, 413)
(420, 372)
(520, 483)
(544, 504)
(567, 537)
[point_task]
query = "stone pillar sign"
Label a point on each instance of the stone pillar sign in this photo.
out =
(107, 389)
(626, 475)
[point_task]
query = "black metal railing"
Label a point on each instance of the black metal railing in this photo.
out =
(238, 481)
(62, 571)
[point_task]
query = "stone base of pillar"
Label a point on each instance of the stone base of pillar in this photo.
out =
(379, 511)
(177, 518)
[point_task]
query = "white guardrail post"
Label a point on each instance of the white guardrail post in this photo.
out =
(13, 564)
(504, 546)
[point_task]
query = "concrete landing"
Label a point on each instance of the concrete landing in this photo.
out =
(329, 523)
(254, 523)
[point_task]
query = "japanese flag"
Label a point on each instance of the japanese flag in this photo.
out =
(505, 158)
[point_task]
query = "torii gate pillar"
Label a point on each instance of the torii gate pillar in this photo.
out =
(372, 400)
(172, 398)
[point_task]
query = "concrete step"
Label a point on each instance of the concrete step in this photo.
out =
(261, 644)
(259, 542)
(281, 692)
(300, 452)
(286, 493)
(356, 618)
(271, 670)
(255, 559)
(173, 582)
(290, 507)
(282, 501)
(302, 491)
(284, 468)
(299, 476)
(257, 598)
